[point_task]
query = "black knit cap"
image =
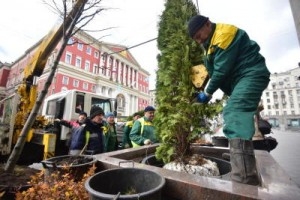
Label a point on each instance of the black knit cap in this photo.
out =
(95, 110)
(195, 23)
(135, 114)
(149, 108)
(83, 113)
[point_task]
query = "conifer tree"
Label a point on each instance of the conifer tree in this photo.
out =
(177, 121)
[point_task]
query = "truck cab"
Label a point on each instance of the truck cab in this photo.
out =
(67, 105)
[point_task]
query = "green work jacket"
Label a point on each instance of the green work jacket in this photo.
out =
(142, 129)
(231, 55)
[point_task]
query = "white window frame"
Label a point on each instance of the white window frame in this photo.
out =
(68, 58)
(93, 88)
(88, 50)
(65, 80)
(87, 65)
(96, 54)
(95, 69)
(85, 85)
(78, 62)
(80, 46)
(76, 83)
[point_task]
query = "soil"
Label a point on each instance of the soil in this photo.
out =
(22, 174)
(71, 160)
(202, 142)
(16, 181)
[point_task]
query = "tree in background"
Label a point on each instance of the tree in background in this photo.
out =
(177, 120)
(75, 16)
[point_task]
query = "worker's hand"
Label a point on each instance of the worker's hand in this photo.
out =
(204, 97)
(147, 142)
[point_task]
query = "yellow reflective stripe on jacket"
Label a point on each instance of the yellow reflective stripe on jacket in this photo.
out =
(222, 37)
(142, 121)
(87, 137)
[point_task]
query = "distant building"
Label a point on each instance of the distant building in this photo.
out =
(152, 94)
(88, 65)
(281, 100)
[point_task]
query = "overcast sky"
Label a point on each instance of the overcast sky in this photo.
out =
(269, 22)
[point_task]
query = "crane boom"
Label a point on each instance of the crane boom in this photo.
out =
(27, 90)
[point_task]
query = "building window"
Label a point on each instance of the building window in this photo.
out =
(85, 86)
(103, 89)
(78, 62)
(76, 83)
(88, 50)
(95, 69)
(121, 101)
(96, 54)
(87, 66)
(94, 88)
(267, 94)
(68, 58)
(80, 46)
(65, 80)
(110, 92)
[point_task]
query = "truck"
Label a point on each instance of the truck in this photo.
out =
(67, 105)
(21, 126)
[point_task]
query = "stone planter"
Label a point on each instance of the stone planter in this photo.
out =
(125, 183)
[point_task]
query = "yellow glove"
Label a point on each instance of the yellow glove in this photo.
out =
(147, 142)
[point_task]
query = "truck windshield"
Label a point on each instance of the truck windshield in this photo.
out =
(103, 103)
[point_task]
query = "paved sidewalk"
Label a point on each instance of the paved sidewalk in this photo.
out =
(287, 152)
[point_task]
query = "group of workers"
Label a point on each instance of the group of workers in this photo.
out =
(98, 132)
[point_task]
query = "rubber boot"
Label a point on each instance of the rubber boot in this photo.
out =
(242, 160)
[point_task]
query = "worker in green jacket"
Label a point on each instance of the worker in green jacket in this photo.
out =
(235, 66)
(143, 131)
(110, 133)
(126, 143)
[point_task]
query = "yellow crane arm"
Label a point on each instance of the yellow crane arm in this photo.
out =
(28, 90)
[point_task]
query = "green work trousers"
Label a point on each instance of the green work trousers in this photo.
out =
(241, 107)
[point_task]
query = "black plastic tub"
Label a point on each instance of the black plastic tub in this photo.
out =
(125, 183)
(223, 165)
(76, 166)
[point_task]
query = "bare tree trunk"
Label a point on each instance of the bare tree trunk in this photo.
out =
(14, 156)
